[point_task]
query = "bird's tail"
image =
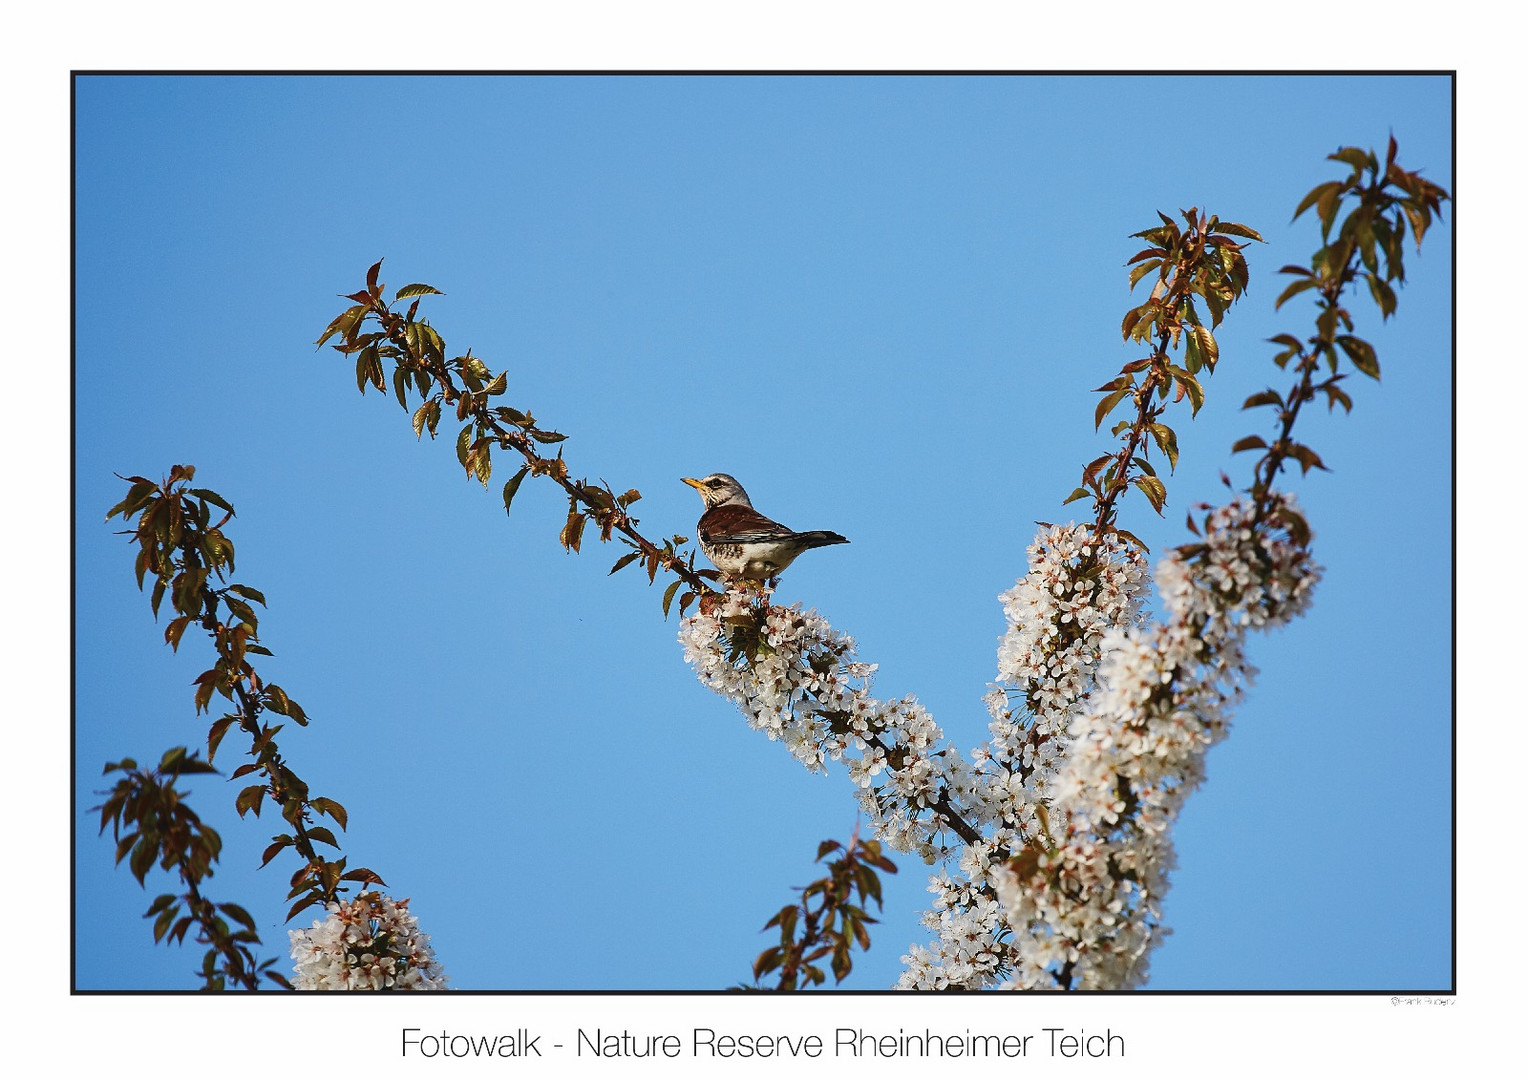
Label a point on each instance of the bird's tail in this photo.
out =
(822, 538)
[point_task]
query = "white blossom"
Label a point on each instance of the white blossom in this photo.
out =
(1100, 722)
(1085, 906)
(795, 678)
(370, 942)
(1079, 586)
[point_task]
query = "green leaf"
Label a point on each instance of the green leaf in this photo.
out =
(1192, 358)
(211, 496)
(1154, 490)
(332, 808)
(1383, 295)
(362, 874)
(668, 594)
(1326, 327)
(1217, 304)
(137, 496)
(250, 799)
(1189, 385)
(1294, 289)
(1335, 396)
(234, 911)
(1315, 194)
(1209, 350)
(277, 701)
(281, 843)
(1353, 156)
(430, 342)
(463, 442)
(1361, 353)
(343, 324)
(215, 734)
(1167, 442)
(1106, 406)
(417, 289)
(1141, 271)
(173, 632)
(482, 461)
(305, 902)
(512, 485)
(1131, 318)
(1327, 206)
(249, 594)
(1134, 539)
(1307, 458)
(322, 835)
(1233, 229)
(421, 415)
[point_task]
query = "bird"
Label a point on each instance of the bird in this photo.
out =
(741, 542)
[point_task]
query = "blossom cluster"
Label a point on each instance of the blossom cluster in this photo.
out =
(1079, 586)
(969, 950)
(1100, 724)
(795, 678)
(1084, 903)
(370, 942)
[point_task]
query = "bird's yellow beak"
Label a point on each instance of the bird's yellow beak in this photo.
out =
(696, 484)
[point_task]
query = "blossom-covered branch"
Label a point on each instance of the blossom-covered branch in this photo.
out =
(1084, 899)
(1085, 903)
(1059, 824)
(1082, 582)
(795, 679)
(1100, 722)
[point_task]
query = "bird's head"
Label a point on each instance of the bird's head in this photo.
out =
(719, 489)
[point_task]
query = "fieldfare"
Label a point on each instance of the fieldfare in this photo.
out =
(740, 541)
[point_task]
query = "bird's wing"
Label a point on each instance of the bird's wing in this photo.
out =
(739, 525)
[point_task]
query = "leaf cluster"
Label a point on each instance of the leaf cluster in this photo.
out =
(377, 335)
(1365, 244)
(828, 921)
(189, 556)
(1197, 264)
(152, 823)
(1365, 218)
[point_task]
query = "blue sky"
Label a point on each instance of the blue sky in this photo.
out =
(881, 303)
